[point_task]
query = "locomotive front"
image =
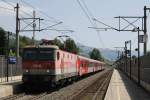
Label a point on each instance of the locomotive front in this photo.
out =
(38, 64)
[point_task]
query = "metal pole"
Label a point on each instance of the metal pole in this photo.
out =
(125, 56)
(34, 26)
(138, 57)
(118, 59)
(130, 59)
(7, 76)
(118, 54)
(17, 32)
(145, 29)
(2, 69)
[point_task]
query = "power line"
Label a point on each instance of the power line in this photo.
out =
(7, 8)
(89, 15)
(26, 13)
(8, 3)
(54, 20)
(14, 6)
(28, 24)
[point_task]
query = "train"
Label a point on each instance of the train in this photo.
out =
(49, 64)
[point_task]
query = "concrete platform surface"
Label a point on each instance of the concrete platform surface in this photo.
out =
(10, 79)
(10, 88)
(122, 88)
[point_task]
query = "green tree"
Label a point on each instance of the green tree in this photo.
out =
(58, 43)
(95, 54)
(3, 40)
(70, 46)
(24, 41)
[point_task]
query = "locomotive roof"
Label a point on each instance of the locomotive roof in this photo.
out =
(56, 47)
(42, 46)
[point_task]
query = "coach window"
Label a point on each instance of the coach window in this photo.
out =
(90, 65)
(58, 55)
(81, 65)
(68, 56)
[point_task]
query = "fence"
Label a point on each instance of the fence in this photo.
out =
(14, 70)
(144, 70)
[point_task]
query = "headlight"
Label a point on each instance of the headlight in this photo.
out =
(27, 71)
(47, 71)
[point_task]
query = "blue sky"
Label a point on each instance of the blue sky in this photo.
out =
(74, 18)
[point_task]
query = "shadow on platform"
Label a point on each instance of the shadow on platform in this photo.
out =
(122, 88)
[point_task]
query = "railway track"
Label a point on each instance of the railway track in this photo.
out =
(96, 90)
(13, 97)
(89, 88)
(35, 97)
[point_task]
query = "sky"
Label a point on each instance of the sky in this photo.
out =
(74, 18)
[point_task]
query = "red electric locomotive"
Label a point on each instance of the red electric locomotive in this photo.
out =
(47, 63)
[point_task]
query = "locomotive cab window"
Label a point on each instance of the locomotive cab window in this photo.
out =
(30, 54)
(39, 54)
(46, 54)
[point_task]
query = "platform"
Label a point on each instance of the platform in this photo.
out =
(11, 87)
(10, 79)
(122, 88)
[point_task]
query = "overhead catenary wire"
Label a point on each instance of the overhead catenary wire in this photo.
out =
(90, 16)
(43, 13)
(13, 6)
(54, 20)
(8, 3)
(22, 13)
(89, 12)
(87, 15)
(50, 19)
(5, 8)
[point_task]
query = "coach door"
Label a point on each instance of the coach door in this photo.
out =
(62, 66)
